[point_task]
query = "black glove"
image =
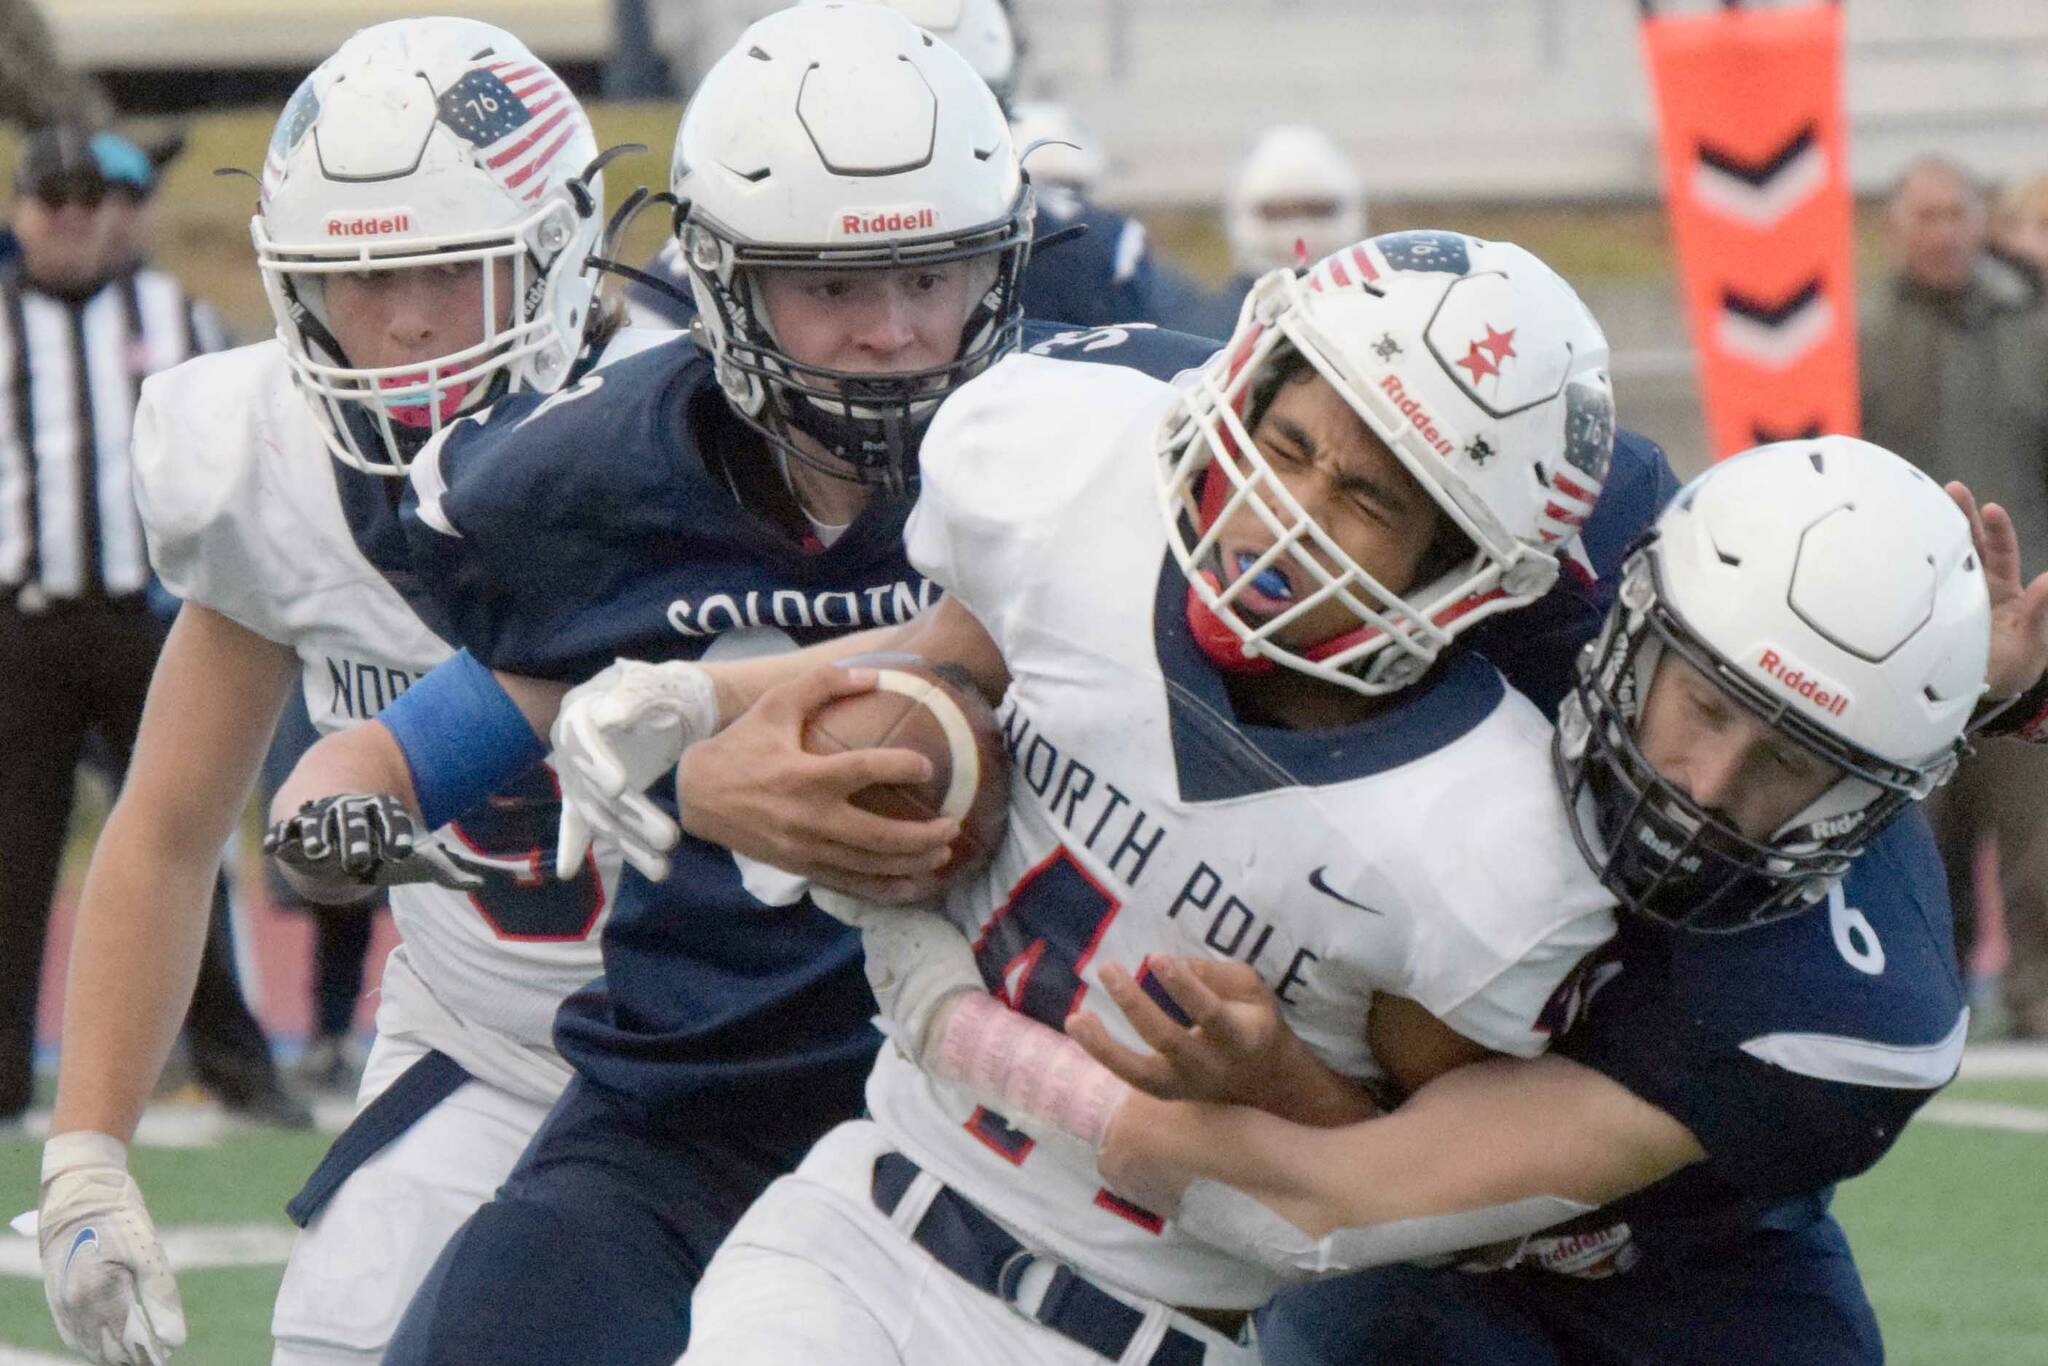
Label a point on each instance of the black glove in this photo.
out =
(367, 840)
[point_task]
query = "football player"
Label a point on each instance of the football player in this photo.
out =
(1791, 666)
(424, 215)
(1795, 653)
(1238, 721)
(1297, 196)
(1101, 269)
(855, 221)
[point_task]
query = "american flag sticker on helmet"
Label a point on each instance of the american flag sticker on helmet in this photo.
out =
(297, 118)
(1589, 430)
(517, 115)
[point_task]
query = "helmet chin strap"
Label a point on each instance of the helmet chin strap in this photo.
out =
(1215, 638)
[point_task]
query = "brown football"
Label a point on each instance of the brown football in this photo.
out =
(936, 711)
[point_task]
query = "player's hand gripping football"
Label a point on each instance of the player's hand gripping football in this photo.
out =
(757, 791)
(369, 839)
(109, 1287)
(614, 736)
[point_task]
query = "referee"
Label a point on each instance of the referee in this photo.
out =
(82, 322)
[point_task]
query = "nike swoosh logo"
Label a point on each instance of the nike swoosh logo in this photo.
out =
(1316, 881)
(86, 1238)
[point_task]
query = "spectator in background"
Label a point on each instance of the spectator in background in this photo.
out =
(35, 87)
(1955, 378)
(81, 324)
(2019, 232)
(1297, 197)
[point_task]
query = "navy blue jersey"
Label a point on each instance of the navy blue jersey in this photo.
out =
(1794, 1052)
(1677, 1011)
(634, 515)
(1219, 309)
(1105, 274)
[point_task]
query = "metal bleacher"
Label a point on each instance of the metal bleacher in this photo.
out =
(1435, 99)
(129, 35)
(1499, 99)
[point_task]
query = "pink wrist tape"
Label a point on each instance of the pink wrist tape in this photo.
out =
(1025, 1068)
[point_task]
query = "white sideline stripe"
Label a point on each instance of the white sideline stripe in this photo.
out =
(21, 1356)
(190, 1247)
(2005, 1061)
(1984, 1114)
(199, 1126)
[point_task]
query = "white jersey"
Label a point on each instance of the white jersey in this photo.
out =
(247, 514)
(1422, 853)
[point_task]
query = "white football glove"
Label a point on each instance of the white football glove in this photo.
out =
(104, 1272)
(614, 736)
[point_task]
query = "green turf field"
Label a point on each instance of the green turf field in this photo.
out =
(1948, 1229)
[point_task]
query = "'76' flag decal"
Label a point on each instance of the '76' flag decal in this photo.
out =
(517, 115)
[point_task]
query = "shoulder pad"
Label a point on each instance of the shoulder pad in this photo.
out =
(200, 436)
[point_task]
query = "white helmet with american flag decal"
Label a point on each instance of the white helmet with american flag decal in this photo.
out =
(1482, 372)
(439, 144)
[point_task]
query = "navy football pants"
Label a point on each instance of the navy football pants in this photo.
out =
(1771, 1299)
(591, 1249)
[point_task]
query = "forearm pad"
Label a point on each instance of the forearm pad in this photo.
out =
(1029, 1071)
(1226, 1217)
(931, 997)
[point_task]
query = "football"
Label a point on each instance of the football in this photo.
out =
(936, 711)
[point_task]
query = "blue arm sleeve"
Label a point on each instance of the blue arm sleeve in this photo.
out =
(463, 738)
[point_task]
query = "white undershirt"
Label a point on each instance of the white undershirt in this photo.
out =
(827, 533)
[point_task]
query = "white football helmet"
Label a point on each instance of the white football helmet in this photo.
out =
(1484, 374)
(429, 143)
(978, 30)
(1055, 148)
(842, 137)
(1831, 589)
(1296, 187)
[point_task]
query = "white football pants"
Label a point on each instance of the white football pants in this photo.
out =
(815, 1272)
(353, 1270)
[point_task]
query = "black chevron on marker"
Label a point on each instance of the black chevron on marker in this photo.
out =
(1764, 436)
(1767, 313)
(1758, 173)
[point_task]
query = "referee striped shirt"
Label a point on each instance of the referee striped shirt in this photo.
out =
(71, 373)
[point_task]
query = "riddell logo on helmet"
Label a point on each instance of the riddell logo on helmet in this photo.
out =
(1417, 415)
(910, 218)
(1830, 700)
(370, 224)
